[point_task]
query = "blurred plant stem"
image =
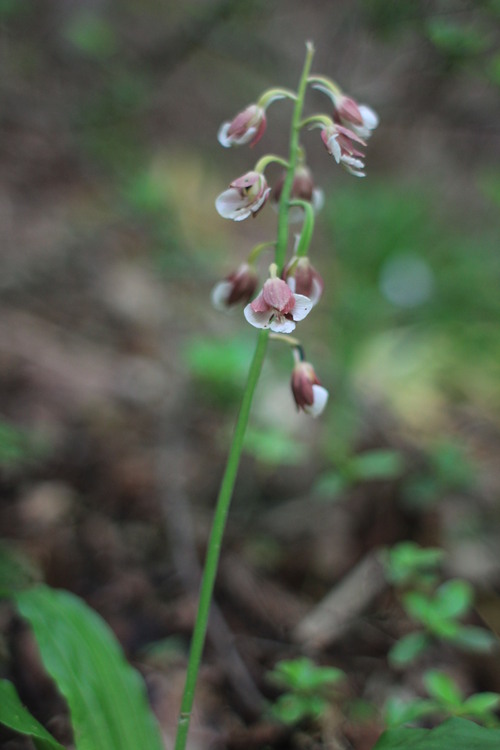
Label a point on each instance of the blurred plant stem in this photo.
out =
(229, 478)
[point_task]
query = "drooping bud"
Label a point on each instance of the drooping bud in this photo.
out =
(247, 127)
(238, 287)
(309, 394)
(302, 278)
(302, 189)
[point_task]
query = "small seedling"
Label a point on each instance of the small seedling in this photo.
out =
(445, 699)
(308, 689)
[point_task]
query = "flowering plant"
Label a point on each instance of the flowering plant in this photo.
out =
(292, 288)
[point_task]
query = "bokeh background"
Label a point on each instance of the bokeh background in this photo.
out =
(118, 382)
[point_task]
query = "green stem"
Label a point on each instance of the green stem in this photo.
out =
(282, 242)
(214, 544)
(229, 478)
(264, 161)
(307, 227)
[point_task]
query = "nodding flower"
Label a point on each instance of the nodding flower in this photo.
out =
(277, 307)
(359, 117)
(302, 278)
(245, 197)
(343, 144)
(309, 394)
(302, 188)
(238, 287)
(247, 127)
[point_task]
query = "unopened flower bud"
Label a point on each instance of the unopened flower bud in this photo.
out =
(238, 287)
(302, 278)
(247, 127)
(302, 189)
(307, 391)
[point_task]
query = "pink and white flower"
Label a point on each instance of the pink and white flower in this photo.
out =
(302, 278)
(307, 390)
(247, 127)
(359, 117)
(239, 286)
(302, 188)
(277, 307)
(343, 143)
(245, 197)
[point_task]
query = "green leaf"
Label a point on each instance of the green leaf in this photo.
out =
(303, 675)
(454, 734)
(408, 648)
(398, 712)
(475, 639)
(441, 687)
(381, 464)
(289, 708)
(418, 606)
(106, 697)
(15, 716)
(481, 703)
(408, 560)
(454, 598)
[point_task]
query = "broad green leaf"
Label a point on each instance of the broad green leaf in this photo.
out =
(106, 697)
(454, 734)
(454, 598)
(15, 716)
(408, 648)
(441, 687)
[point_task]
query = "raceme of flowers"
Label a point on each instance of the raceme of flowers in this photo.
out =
(289, 293)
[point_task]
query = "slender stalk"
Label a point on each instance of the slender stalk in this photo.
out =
(214, 544)
(282, 242)
(229, 478)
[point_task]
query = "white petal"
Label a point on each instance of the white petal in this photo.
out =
(316, 292)
(257, 319)
(351, 161)
(320, 397)
(230, 205)
(257, 204)
(318, 199)
(222, 136)
(246, 137)
(228, 202)
(291, 283)
(220, 294)
(369, 116)
(334, 147)
(280, 324)
(303, 306)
